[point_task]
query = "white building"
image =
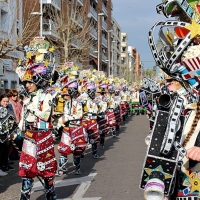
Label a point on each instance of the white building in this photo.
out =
(10, 28)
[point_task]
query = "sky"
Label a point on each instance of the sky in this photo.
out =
(136, 18)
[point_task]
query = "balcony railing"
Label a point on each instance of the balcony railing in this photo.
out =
(104, 9)
(123, 44)
(77, 21)
(104, 41)
(93, 32)
(104, 57)
(93, 12)
(81, 2)
(104, 24)
(55, 3)
(49, 28)
(76, 42)
(92, 50)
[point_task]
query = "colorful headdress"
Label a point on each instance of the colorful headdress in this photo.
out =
(90, 86)
(38, 65)
(179, 57)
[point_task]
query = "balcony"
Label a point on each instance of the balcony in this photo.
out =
(77, 21)
(123, 44)
(104, 9)
(81, 2)
(104, 57)
(104, 41)
(92, 51)
(76, 42)
(93, 32)
(49, 28)
(123, 55)
(55, 3)
(93, 12)
(104, 25)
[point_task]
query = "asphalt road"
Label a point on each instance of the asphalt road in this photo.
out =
(114, 176)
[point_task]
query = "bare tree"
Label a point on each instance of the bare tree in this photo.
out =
(72, 25)
(18, 33)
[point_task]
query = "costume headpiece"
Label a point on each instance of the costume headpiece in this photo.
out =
(179, 57)
(38, 65)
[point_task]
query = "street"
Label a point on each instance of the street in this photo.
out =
(114, 176)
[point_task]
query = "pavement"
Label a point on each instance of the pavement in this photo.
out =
(114, 176)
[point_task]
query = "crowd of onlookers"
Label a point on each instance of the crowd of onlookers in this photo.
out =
(11, 147)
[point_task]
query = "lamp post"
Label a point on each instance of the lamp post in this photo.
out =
(99, 28)
(113, 57)
(109, 69)
(41, 17)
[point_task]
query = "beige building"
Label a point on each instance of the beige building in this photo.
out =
(134, 64)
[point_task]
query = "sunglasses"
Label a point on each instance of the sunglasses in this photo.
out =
(15, 95)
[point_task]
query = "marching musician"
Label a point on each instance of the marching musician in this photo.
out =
(73, 140)
(37, 156)
(89, 122)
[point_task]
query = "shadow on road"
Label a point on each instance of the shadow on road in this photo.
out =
(13, 181)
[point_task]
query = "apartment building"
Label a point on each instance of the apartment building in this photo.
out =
(116, 48)
(124, 54)
(96, 12)
(10, 29)
(134, 64)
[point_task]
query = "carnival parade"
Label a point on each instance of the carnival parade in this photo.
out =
(75, 125)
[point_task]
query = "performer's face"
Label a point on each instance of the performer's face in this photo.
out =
(31, 87)
(4, 102)
(66, 97)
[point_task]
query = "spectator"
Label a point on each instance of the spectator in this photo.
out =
(14, 102)
(4, 147)
(16, 106)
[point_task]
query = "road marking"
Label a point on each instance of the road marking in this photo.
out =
(84, 183)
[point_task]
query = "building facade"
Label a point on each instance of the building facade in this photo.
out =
(116, 48)
(134, 64)
(124, 55)
(10, 30)
(97, 16)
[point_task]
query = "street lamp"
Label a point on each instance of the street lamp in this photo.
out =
(113, 57)
(99, 28)
(109, 72)
(41, 15)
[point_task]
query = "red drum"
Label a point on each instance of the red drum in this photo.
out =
(103, 125)
(37, 156)
(118, 116)
(111, 118)
(92, 130)
(73, 141)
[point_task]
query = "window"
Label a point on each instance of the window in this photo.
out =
(124, 39)
(4, 84)
(13, 85)
(123, 49)
(17, 27)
